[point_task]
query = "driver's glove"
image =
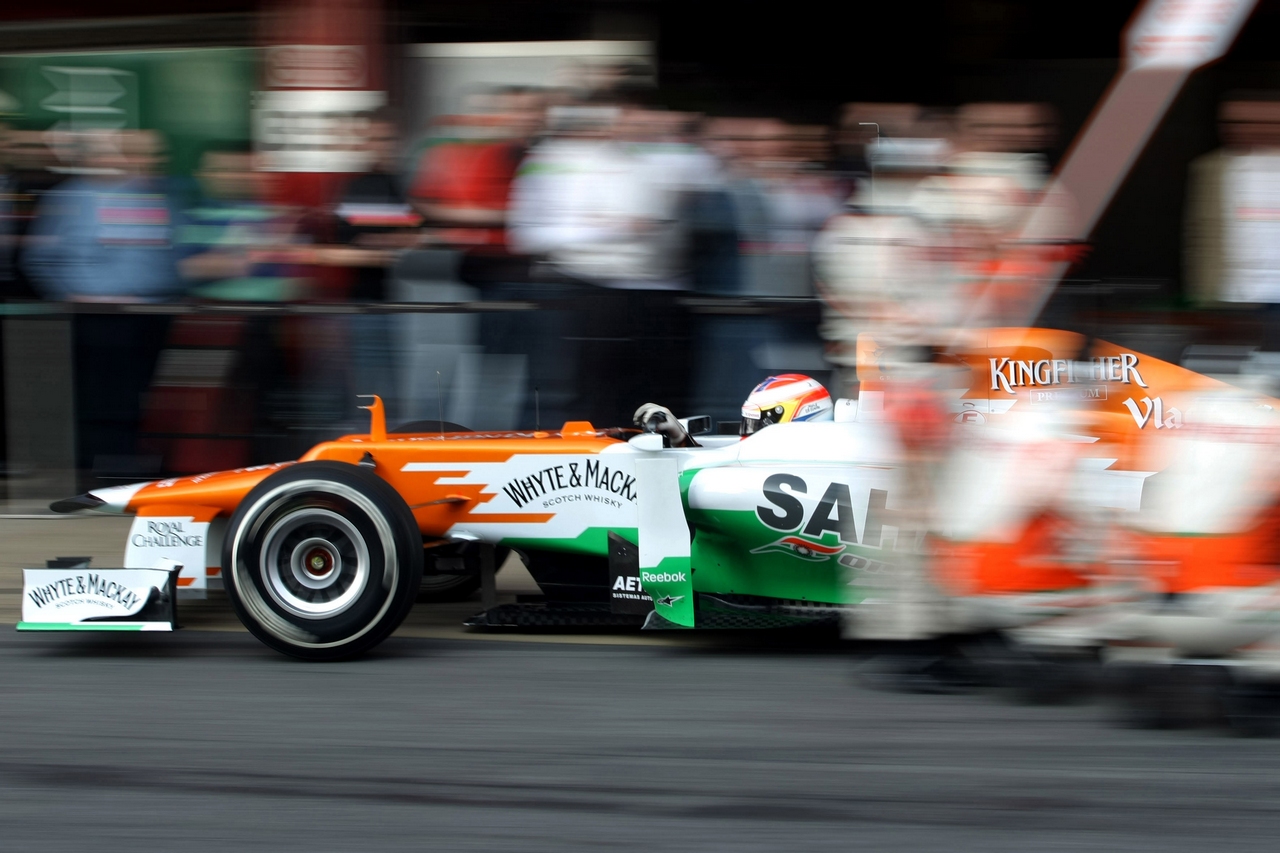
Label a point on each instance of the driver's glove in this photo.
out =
(666, 424)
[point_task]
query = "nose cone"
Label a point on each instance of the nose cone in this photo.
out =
(110, 499)
(79, 502)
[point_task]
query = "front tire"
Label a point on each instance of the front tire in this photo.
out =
(323, 560)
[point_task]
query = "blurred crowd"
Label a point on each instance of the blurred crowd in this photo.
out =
(627, 252)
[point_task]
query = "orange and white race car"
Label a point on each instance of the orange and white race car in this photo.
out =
(324, 556)
(799, 522)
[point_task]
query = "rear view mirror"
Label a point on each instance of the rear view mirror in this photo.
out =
(697, 425)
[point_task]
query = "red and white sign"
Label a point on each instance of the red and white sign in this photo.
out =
(316, 66)
(1184, 33)
(313, 130)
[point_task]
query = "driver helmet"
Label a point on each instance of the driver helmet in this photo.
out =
(785, 397)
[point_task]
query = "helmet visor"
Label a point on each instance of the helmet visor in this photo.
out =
(754, 419)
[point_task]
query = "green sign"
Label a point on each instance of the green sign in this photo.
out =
(194, 97)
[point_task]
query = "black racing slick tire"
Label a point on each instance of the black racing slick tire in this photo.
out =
(322, 560)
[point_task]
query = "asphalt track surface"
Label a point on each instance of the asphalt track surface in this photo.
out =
(208, 741)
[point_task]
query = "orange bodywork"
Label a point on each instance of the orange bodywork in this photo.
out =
(1117, 409)
(1176, 564)
(221, 491)
(1032, 563)
(436, 506)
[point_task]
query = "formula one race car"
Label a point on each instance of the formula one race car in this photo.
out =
(323, 557)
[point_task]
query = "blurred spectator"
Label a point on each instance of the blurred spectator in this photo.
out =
(725, 264)
(731, 140)
(463, 178)
(870, 260)
(205, 396)
(582, 201)
(679, 172)
(713, 216)
(218, 238)
(560, 211)
(373, 211)
(489, 363)
(1232, 230)
(780, 195)
(934, 244)
(600, 200)
(108, 232)
(861, 124)
(374, 217)
(8, 213)
(1024, 130)
(799, 198)
(106, 235)
(32, 170)
(976, 210)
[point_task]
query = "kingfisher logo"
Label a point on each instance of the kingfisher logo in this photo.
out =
(1007, 374)
(798, 546)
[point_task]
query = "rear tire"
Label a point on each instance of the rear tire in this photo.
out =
(322, 560)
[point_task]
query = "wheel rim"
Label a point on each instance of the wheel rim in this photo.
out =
(315, 563)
